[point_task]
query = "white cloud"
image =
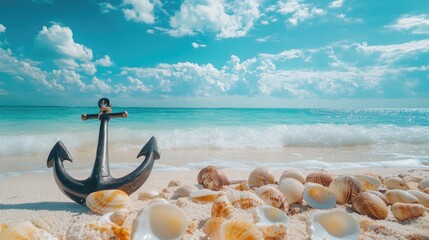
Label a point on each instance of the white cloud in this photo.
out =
(106, 7)
(418, 24)
(2, 28)
(336, 4)
(228, 19)
(139, 11)
(99, 85)
(137, 85)
(105, 61)
(299, 11)
(263, 39)
(395, 51)
(197, 45)
(150, 31)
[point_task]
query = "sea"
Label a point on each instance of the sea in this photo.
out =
(192, 138)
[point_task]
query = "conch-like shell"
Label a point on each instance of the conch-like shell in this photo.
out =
(396, 183)
(203, 195)
(244, 200)
(212, 178)
(271, 221)
(380, 195)
(421, 196)
(183, 191)
(394, 196)
(222, 207)
(260, 176)
(273, 197)
(117, 217)
(25, 230)
(321, 177)
(292, 189)
(406, 211)
(96, 230)
(295, 174)
(148, 195)
(370, 205)
(423, 184)
(318, 196)
(160, 221)
(337, 225)
(212, 227)
(344, 188)
(239, 230)
(105, 201)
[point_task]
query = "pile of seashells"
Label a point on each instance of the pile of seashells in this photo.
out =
(269, 201)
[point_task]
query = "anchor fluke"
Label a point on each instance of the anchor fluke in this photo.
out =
(150, 146)
(58, 151)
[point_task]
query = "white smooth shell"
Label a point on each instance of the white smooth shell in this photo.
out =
(318, 196)
(333, 225)
(272, 221)
(295, 174)
(292, 189)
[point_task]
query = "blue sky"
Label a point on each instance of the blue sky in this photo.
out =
(218, 53)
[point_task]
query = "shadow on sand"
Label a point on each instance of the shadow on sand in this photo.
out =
(55, 206)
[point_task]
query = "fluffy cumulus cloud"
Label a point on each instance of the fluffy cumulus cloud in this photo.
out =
(105, 61)
(418, 24)
(2, 28)
(139, 11)
(298, 11)
(336, 4)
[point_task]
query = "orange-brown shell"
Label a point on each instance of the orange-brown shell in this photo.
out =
(380, 195)
(273, 197)
(260, 176)
(394, 196)
(396, 183)
(344, 188)
(105, 201)
(406, 211)
(370, 205)
(212, 178)
(240, 230)
(212, 227)
(321, 177)
(221, 207)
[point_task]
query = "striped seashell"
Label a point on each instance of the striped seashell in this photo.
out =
(244, 200)
(25, 230)
(396, 183)
(292, 189)
(260, 176)
(318, 196)
(394, 196)
(423, 184)
(45, 223)
(368, 181)
(212, 178)
(239, 230)
(320, 177)
(222, 207)
(105, 201)
(295, 174)
(273, 197)
(148, 195)
(203, 195)
(117, 217)
(344, 188)
(174, 183)
(336, 224)
(421, 196)
(242, 186)
(380, 195)
(212, 227)
(369, 204)
(183, 191)
(406, 211)
(271, 221)
(96, 230)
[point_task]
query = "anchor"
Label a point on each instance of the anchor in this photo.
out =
(100, 178)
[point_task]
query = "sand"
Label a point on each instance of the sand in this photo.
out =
(27, 197)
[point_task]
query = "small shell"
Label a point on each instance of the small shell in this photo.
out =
(344, 188)
(292, 189)
(212, 178)
(380, 195)
(318, 196)
(148, 195)
(394, 196)
(105, 201)
(212, 227)
(406, 211)
(337, 225)
(45, 223)
(271, 221)
(295, 174)
(239, 230)
(368, 182)
(423, 184)
(25, 230)
(118, 217)
(183, 191)
(260, 176)
(222, 207)
(421, 196)
(426, 190)
(242, 186)
(96, 230)
(203, 195)
(174, 183)
(244, 200)
(396, 183)
(369, 204)
(320, 177)
(273, 197)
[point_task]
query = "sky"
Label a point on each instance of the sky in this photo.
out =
(215, 53)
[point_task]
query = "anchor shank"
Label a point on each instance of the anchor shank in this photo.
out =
(101, 165)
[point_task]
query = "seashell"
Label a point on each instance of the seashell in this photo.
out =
(396, 183)
(242, 186)
(192, 227)
(423, 184)
(239, 230)
(164, 195)
(394, 196)
(368, 182)
(237, 181)
(271, 221)
(174, 183)
(344, 188)
(212, 227)
(426, 190)
(318, 196)
(148, 195)
(295, 174)
(222, 207)
(25, 230)
(203, 195)
(118, 217)
(421, 196)
(369, 204)
(212, 178)
(406, 211)
(320, 177)
(380, 195)
(45, 223)
(332, 225)
(244, 200)
(260, 176)
(181, 202)
(183, 191)
(273, 197)
(105, 201)
(96, 230)
(158, 200)
(292, 189)
(159, 221)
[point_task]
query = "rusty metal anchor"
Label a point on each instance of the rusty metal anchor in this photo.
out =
(100, 178)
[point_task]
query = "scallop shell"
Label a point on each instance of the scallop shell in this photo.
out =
(239, 230)
(344, 188)
(273, 197)
(260, 176)
(25, 230)
(159, 221)
(242, 186)
(380, 195)
(105, 201)
(421, 196)
(369, 204)
(406, 211)
(271, 221)
(45, 223)
(222, 207)
(244, 200)
(394, 196)
(212, 178)
(396, 183)
(295, 174)
(203, 195)
(318, 196)
(292, 189)
(148, 195)
(320, 177)
(423, 184)
(212, 227)
(118, 217)
(332, 225)
(183, 191)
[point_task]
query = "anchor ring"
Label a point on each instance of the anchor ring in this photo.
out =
(104, 102)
